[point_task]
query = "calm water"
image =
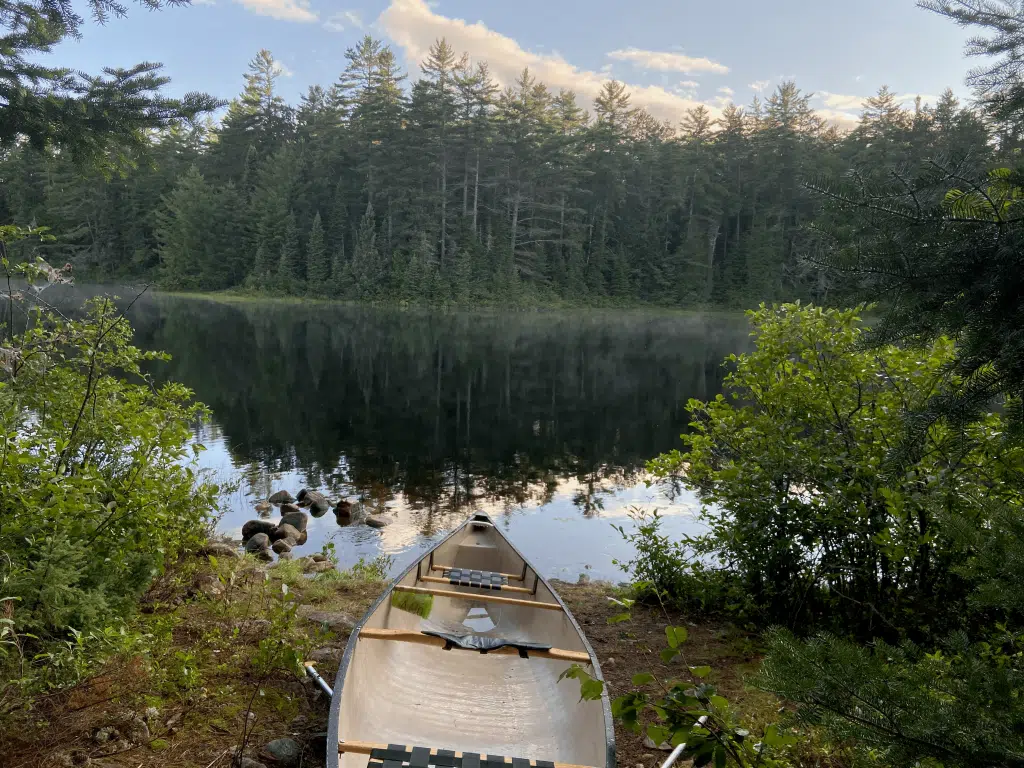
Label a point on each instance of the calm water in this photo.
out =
(542, 420)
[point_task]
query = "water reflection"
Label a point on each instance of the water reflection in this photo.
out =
(427, 416)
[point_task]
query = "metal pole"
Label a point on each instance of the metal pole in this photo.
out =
(311, 671)
(679, 749)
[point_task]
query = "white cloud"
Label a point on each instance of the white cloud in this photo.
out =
(281, 69)
(688, 84)
(842, 101)
(759, 85)
(413, 26)
(343, 20)
(668, 62)
(726, 91)
(286, 10)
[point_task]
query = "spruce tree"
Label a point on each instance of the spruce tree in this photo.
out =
(290, 268)
(317, 263)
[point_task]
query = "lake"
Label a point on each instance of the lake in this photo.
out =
(543, 420)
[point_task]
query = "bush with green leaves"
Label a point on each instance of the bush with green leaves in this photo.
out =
(97, 489)
(790, 463)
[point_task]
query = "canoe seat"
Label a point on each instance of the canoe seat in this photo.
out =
(464, 577)
(485, 643)
(396, 756)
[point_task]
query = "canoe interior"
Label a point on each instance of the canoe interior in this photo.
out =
(416, 695)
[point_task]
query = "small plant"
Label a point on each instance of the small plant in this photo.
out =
(686, 709)
(374, 570)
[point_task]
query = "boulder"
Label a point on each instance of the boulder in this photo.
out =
(319, 557)
(326, 653)
(344, 509)
(219, 549)
(286, 531)
(583, 580)
(259, 542)
(297, 520)
(283, 751)
(287, 509)
(312, 566)
(208, 584)
(375, 521)
(248, 762)
(303, 536)
(281, 497)
(333, 619)
(265, 556)
(316, 501)
(281, 546)
(253, 527)
(284, 555)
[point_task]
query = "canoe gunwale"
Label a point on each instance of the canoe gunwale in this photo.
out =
(333, 725)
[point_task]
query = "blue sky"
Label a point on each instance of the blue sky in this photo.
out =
(672, 53)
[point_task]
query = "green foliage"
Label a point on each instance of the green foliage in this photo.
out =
(97, 491)
(318, 264)
(957, 706)
(84, 115)
(685, 709)
(791, 457)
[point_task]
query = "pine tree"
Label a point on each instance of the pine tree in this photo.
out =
(318, 265)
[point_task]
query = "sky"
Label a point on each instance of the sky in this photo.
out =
(673, 54)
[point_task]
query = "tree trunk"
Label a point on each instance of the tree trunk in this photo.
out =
(476, 191)
(709, 280)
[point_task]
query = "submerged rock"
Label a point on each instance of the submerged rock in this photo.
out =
(281, 497)
(376, 521)
(264, 508)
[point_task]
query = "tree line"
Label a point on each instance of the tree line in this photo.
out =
(455, 190)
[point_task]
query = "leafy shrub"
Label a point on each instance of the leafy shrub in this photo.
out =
(97, 493)
(667, 571)
(791, 465)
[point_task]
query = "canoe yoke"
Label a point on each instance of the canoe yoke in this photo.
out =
(398, 756)
(464, 577)
(484, 643)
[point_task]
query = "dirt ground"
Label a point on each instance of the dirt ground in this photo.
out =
(204, 692)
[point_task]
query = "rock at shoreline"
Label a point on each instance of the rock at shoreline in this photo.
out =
(312, 566)
(375, 521)
(208, 584)
(287, 509)
(282, 546)
(343, 509)
(297, 520)
(316, 501)
(264, 508)
(219, 549)
(253, 527)
(281, 497)
(287, 532)
(259, 542)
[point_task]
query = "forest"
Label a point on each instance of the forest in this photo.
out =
(453, 190)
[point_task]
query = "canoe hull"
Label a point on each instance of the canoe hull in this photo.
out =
(413, 694)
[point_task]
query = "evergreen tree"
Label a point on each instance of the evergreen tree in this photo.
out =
(318, 264)
(290, 268)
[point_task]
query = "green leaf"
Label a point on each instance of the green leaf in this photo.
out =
(643, 678)
(658, 733)
(676, 636)
(700, 671)
(619, 618)
(591, 689)
(720, 757)
(719, 702)
(667, 654)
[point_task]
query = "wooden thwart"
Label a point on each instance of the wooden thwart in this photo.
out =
(483, 598)
(504, 587)
(509, 576)
(405, 636)
(366, 747)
